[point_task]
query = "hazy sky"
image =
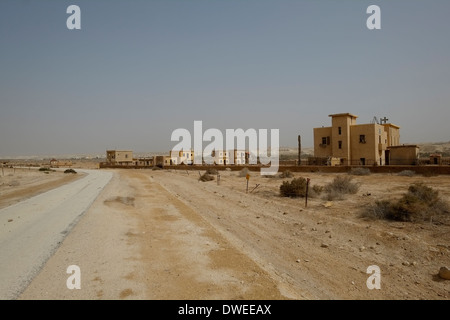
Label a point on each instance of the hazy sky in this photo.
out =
(137, 70)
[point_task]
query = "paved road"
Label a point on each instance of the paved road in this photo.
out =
(38, 225)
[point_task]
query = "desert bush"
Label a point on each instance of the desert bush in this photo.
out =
(317, 189)
(212, 171)
(69, 171)
(294, 188)
(381, 209)
(156, 168)
(418, 204)
(244, 172)
(339, 187)
(206, 177)
(286, 174)
(359, 171)
(406, 173)
(45, 169)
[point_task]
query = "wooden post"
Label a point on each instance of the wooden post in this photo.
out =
(248, 178)
(306, 196)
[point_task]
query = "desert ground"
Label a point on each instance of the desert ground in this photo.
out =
(163, 234)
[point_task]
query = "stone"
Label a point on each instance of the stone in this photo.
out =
(444, 273)
(328, 204)
(324, 245)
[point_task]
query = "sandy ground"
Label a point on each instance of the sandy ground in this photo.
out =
(17, 184)
(165, 235)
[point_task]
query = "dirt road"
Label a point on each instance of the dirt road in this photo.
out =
(33, 228)
(165, 235)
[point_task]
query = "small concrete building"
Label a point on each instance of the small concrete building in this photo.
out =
(403, 155)
(144, 161)
(436, 159)
(119, 157)
(161, 161)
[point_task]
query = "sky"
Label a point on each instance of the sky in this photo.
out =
(138, 70)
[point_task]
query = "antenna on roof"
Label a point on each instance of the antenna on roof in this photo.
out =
(374, 120)
(384, 120)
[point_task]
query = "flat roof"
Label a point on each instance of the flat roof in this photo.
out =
(342, 115)
(119, 150)
(391, 125)
(405, 146)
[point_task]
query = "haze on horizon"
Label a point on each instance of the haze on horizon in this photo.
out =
(137, 70)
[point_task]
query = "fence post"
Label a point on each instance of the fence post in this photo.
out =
(306, 196)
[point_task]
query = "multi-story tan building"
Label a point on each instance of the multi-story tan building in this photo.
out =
(119, 157)
(355, 144)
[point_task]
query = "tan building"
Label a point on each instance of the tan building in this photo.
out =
(144, 161)
(182, 157)
(355, 144)
(403, 155)
(119, 157)
(161, 161)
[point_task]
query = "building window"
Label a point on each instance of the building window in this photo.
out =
(340, 130)
(324, 140)
(340, 144)
(126, 156)
(362, 138)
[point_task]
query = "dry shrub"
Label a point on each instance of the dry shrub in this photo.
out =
(244, 172)
(206, 177)
(316, 191)
(359, 171)
(418, 204)
(212, 171)
(286, 174)
(294, 188)
(339, 187)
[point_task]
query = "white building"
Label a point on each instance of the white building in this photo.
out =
(182, 157)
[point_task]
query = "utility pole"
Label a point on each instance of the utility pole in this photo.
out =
(299, 150)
